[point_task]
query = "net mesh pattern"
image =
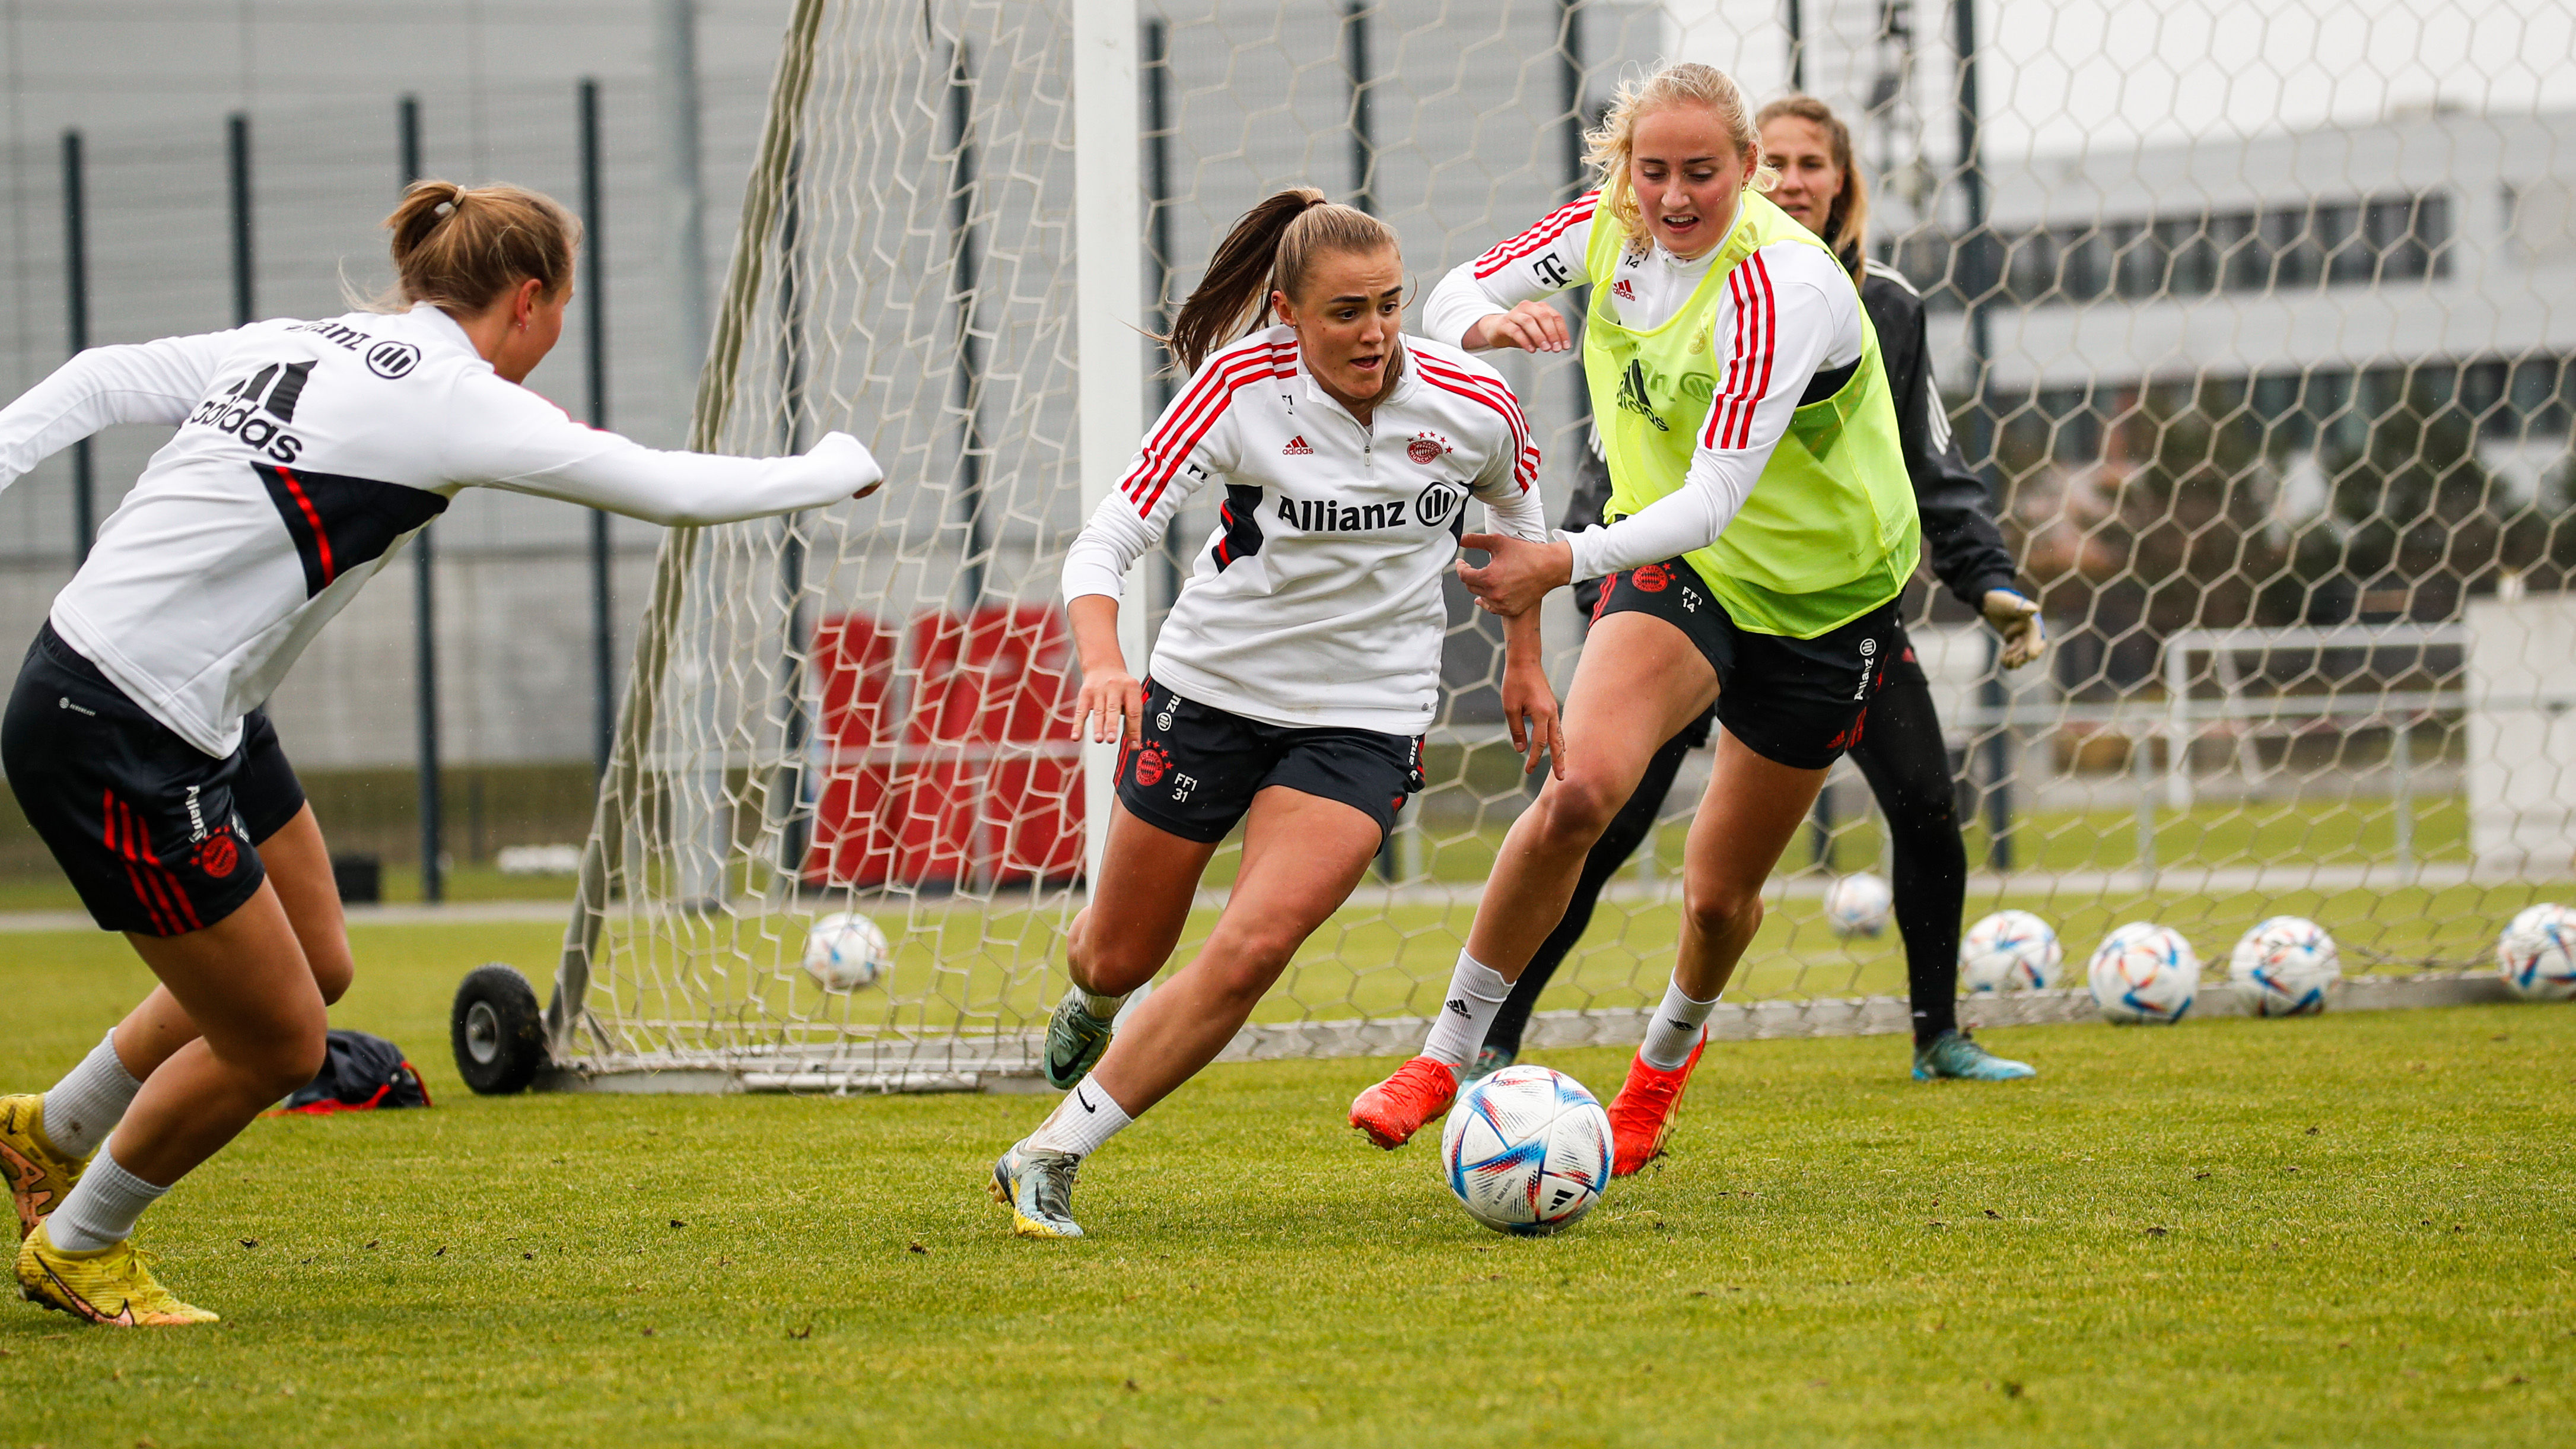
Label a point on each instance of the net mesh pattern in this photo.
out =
(2275, 407)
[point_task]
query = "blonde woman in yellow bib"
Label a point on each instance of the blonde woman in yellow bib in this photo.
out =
(1760, 527)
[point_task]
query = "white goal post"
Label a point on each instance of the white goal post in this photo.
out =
(2268, 399)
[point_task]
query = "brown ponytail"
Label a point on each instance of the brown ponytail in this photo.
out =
(1269, 250)
(1847, 222)
(462, 248)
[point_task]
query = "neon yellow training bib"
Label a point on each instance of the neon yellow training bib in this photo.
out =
(1829, 531)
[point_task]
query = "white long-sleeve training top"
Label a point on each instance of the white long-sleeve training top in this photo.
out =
(306, 453)
(1778, 325)
(1316, 602)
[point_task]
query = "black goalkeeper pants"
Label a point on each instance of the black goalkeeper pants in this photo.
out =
(1902, 756)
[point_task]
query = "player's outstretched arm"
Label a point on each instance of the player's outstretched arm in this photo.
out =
(142, 382)
(506, 437)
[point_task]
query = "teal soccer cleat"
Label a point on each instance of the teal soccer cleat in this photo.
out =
(1956, 1055)
(1074, 1041)
(1037, 1186)
(1489, 1060)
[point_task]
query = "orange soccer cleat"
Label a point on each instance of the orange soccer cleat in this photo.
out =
(1641, 1116)
(1393, 1110)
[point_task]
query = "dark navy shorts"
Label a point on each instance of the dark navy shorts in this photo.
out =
(1797, 702)
(159, 838)
(1198, 767)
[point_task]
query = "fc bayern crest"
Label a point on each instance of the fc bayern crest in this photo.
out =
(1652, 577)
(1150, 765)
(218, 855)
(1423, 450)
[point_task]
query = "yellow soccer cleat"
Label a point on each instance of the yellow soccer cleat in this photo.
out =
(40, 1176)
(114, 1285)
(1037, 1186)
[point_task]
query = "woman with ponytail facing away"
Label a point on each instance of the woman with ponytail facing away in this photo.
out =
(1300, 666)
(306, 453)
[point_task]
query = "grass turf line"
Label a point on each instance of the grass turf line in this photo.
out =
(1832, 1255)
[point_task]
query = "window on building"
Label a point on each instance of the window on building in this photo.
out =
(2337, 229)
(2296, 259)
(2243, 261)
(2086, 272)
(2191, 256)
(2336, 243)
(2138, 261)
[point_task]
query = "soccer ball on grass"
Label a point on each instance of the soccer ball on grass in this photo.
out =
(2011, 951)
(2143, 973)
(2285, 966)
(1858, 904)
(2536, 955)
(846, 951)
(1527, 1151)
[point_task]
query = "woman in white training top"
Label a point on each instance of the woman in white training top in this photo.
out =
(1300, 666)
(306, 453)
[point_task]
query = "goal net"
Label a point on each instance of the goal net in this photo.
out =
(2255, 343)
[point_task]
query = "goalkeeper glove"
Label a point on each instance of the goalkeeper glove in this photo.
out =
(2016, 617)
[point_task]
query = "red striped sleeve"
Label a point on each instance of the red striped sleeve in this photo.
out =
(1549, 228)
(1748, 365)
(1198, 409)
(1498, 397)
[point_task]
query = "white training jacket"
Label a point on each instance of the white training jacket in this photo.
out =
(307, 452)
(1316, 602)
(1791, 317)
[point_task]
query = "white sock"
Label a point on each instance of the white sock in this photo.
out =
(1676, 1029)
(1087, 1117)
(1104, 1008)
(101, 1207)
(88, 1102)
(1476, 992)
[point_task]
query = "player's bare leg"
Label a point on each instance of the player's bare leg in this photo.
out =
(1640, 681)
(1118, 942)
(1302, 855)
(1750, 813)
(299, 867)
(47, 1138)
(246, 986)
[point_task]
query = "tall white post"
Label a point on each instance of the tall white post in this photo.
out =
(1109, 305)
(684, 205)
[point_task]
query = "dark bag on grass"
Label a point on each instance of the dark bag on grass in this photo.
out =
(359, 1074)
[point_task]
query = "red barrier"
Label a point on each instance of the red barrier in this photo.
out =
(982, 784)
(853, 836)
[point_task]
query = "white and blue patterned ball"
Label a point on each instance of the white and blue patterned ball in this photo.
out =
(2143, 974)
(2536, 955)
(2285, 966)
(1859, 904)
(2011, 951)
(1526, 1151)
(846, 951)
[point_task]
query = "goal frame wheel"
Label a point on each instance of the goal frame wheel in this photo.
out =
(497, 1031)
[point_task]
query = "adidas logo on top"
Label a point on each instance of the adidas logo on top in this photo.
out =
(1621, 290)
(1297, 447)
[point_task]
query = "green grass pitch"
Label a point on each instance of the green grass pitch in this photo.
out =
(2348, 1230)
